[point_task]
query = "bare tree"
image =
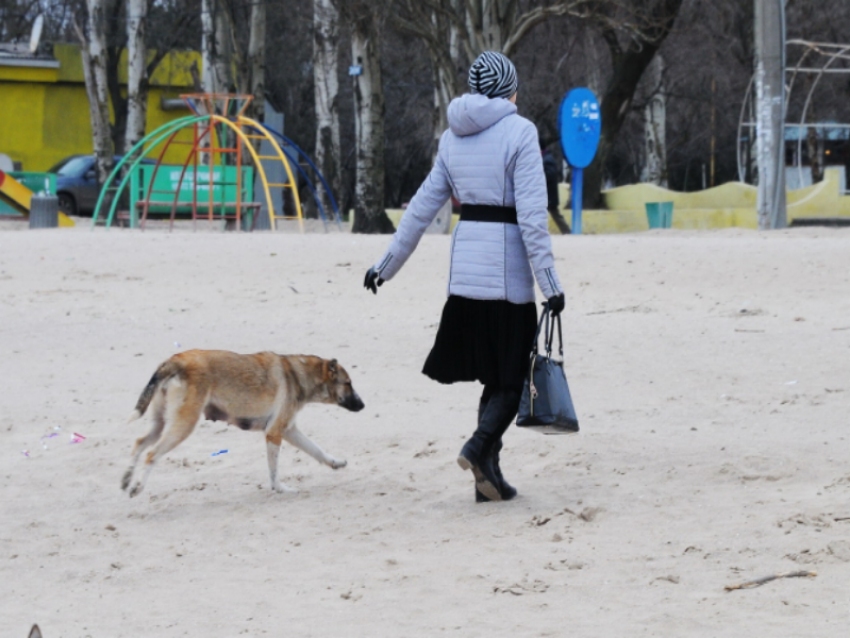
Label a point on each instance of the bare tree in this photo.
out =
(137, 53)
(326, 92)
(216, 47)
(649, 22)
(256, 62)
(655, 127)
(457, 31)
(366, 20)
(93, 49)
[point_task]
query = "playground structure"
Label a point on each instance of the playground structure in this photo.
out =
(17, 190)
(214, 182)
(816, 61)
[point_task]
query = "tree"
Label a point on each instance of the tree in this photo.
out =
(108, 31)
(137, 54)
(93, 49)
(256, 60)
(326, 92)
(649, 23)
(655, 126)
(457, 31)
(216, 50)
(366, 20)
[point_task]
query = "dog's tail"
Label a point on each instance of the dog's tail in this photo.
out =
(163, 373)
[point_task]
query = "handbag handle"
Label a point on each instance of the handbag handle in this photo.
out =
(549, 332)
(551, 337)
(544, 317)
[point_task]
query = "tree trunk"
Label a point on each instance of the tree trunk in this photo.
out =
(654, 126)
(370, 216)
(326, 87)
(94, 70)
(137, 81)
(257, 59)
(628, 68)
(215, 48)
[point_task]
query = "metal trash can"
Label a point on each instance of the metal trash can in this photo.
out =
(44, 211)
(659, 214)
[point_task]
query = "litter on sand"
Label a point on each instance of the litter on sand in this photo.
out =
(26, 453)
(766, 579)
(76, 438)
(219, 452)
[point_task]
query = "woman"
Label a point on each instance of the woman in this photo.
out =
(490, 160)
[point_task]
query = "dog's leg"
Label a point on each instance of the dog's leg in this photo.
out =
(273, 440)
(144, 442)
(181, 421)
(297, 438)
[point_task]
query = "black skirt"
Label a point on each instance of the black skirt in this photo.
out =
(483, 340)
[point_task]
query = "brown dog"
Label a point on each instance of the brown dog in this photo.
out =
(262, 391)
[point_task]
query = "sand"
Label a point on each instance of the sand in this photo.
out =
(711, 373)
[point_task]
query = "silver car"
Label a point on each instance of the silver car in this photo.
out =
(76, 183)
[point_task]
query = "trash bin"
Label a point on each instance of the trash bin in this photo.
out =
(659, 214)
(44, 211)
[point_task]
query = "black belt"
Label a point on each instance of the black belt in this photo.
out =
(481, 213)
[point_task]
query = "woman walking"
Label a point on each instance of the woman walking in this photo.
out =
(490, 160)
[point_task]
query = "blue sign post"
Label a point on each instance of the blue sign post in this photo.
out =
(580, 123)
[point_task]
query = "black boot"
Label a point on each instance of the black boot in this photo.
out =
(506, 490)
(477, 453)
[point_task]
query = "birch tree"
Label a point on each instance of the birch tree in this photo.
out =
(256, 62)
(93, 50)
(455, 32)
(366, 22)
(137, 53)
(326, 93)
(216, 50)
(655, 127)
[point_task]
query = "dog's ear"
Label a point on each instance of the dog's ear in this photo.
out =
(35, 632)
(333, 367)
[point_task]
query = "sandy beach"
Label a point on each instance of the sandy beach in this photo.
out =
(710, 371)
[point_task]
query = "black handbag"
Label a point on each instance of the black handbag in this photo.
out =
(546, 405)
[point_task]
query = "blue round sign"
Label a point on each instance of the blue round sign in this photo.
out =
(581, 124)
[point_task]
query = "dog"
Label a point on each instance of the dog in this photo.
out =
(261, 392)
(35, 632)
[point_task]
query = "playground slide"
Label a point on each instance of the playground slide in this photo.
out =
(18, 196)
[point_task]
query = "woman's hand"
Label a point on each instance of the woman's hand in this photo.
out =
(556, 304)
(372, 279)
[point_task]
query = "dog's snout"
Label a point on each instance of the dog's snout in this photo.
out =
(353, 402)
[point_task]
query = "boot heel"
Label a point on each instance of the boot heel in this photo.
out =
(464, 462)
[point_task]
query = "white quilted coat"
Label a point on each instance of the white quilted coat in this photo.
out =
(490, 156)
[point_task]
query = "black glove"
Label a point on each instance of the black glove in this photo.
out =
(372, 278)
(556, 304)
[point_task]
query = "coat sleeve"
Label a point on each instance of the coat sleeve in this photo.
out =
(429, 199)
(532, 216)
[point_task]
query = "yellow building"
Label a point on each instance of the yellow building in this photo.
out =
(44, 109)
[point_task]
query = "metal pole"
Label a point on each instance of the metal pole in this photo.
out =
(770, 112)
(577, 178)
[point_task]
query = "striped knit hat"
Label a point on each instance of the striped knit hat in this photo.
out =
(492, 74)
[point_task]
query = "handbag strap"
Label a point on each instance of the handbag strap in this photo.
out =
(543, 318)
(549, 332)
(550, 336)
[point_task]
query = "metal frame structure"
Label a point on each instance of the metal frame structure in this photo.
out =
(824, 53)
(216, 116)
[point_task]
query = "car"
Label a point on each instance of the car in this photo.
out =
(76, 183)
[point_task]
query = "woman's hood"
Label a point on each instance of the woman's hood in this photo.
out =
(472, 113)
